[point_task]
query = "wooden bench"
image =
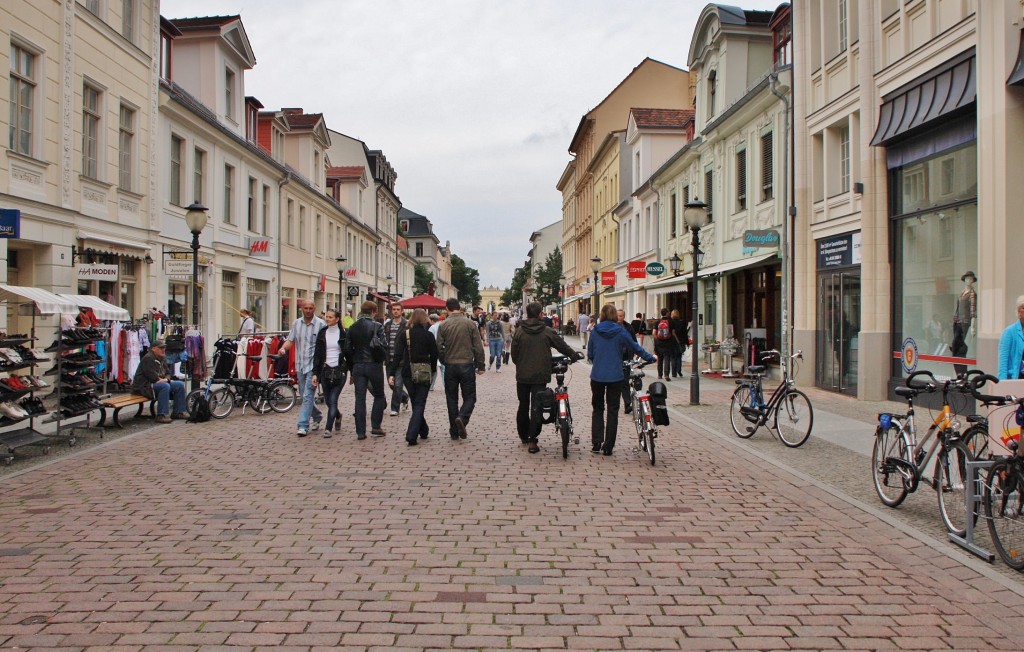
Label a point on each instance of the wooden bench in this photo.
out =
(118, 403)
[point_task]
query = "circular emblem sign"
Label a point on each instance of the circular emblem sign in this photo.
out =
(655, 269)
(909, 355)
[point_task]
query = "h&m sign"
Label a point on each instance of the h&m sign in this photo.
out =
(259, 246)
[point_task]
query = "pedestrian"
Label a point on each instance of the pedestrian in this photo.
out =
(506, 338)
(626, 355)
(462, 352)
(435, 324)
(303, 337)
(531, 352)
(583, 323)
(548, 321)
(248, 325)
(556, 321)
(394, 329)
(330, 367)
(495, 342)
(153, 380)
(665, 345)
(639, 327)
(416, 346)
(605, 351)
(1011, 347)
(481, 322)
(682, 342)
(367, 351)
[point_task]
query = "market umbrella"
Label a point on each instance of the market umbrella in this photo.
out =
(425, 301)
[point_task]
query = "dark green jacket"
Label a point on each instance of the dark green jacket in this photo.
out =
(531, 351)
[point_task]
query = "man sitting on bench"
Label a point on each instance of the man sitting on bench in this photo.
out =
(153, 380)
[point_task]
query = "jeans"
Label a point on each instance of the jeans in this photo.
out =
(331, 393)
(369, 374)
(418, 422)
(456, 377)
(528, 428)
(665, 352)
(602, 432)
(496, 349)
(398, 394)
(164, 392)
(308, 408)
(677, 362)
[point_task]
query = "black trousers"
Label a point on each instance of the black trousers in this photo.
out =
(526, 425)
(460, 377)
(369, 375)
(417, 422)
(665, 351)
(605, 397)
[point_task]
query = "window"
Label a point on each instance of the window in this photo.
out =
(23, 88)
(767, 167)
(229, 94)
(90, 131)
(198, 174)
(165, 55)
(302, 227)
(125, 145)
(709, 193)
(419, 249)
(319, 235)
(252, 205)
(741, 179)
(174, 189)
(686, 195)
(266, 210)
(128, 19)
(783, 44)
(947, 176)
(712, 83)
(636, 171)
(673, 212)
(93, 6)
(229, 203)
(843, 19)
(844, 159)
(290, 223)
(316, 168)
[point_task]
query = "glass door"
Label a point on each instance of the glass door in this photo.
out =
(838, 329)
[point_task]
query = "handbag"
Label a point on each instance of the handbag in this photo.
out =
(420, 371)
(378, 344)
(331, 375)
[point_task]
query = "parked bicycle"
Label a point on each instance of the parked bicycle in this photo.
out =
(275, 394)
(563, 414)
(649, 408)
(899, 460)
(787, 413)
(1003, 500)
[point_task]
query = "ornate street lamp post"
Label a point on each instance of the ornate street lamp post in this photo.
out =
(195, 220)
(674, 263)
(339, 262)
(595, 266)
(695, 214)
(561, 301)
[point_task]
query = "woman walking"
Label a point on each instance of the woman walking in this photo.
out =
(329, 366)
(417, 347)
(608, 344)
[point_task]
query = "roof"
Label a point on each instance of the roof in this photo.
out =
(297, 118)
(662, 118)
(346, 172)
(203, 22)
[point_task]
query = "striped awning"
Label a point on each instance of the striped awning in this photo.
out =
(46, 303)
(101, 308)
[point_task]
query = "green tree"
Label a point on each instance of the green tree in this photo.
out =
(466, 281)
(423, 278)
(513, 296)
(547, 278)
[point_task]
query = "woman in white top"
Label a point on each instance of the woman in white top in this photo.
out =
(330, 366)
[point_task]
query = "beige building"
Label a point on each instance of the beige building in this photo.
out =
(490, 298)
(424, 248)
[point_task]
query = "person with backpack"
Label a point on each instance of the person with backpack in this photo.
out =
(366, 353)
(665, 345)
(495, 341)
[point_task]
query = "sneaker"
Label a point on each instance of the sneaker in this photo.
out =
(302, 432)
(377, 432)
(314, 426)
(361, 436)
(498, 370)
(327, 434)
(393, 413)
(596, 448)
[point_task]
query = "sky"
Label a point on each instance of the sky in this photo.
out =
(473, 102)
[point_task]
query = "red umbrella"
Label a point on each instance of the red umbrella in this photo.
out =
(425, 301)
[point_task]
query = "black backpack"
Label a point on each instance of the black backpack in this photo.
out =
(200, 410)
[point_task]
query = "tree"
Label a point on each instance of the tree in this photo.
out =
(423, 278)
(547, 279)
(466, 281)
(513, 296)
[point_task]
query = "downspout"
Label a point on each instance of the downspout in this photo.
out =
(280, 210)
(784, 244)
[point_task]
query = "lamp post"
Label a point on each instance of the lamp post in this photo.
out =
(695, 214)
(674, 263)
(339, 262)
(595, 266)
(561, 300)
(195, 220)
(389, 278)
(781, 91)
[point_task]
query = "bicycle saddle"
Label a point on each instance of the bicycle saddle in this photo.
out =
(977, 418)
(756, 369)
(906, 392)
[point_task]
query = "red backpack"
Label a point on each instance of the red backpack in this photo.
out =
(663, 331)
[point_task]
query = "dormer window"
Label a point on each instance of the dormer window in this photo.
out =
(229, 94)
(403, 225)
(712, 82)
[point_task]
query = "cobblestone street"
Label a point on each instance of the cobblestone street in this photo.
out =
(236, 533)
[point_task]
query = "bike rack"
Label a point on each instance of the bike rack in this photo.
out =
(973, 502)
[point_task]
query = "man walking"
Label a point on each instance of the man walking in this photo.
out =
(531, 353)
(583, 324)
(495, 341)
(303, 338)
(665, 346)
(394, 328)
(461, 350)
(367, 364)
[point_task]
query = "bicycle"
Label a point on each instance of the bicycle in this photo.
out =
(563, 415)
(275, 394)
(642, 410)
(788, 410)
(1003, 500)
(898, 460)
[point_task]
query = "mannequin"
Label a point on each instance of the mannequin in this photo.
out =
(964, 315)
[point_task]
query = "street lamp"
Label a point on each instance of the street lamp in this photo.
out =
(781, 90)
(695, 214)
(674, 264)
(339, 262)
(595, 266)
(195, 220)
(389, 278)
(561, 300)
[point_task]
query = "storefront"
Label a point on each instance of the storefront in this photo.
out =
(839, 310)
(111, 269)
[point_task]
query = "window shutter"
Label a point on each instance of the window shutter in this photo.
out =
(741, 179)
(709, 193)
(767, 167)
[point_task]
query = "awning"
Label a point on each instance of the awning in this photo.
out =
(381, 297)
(106, 244)
(46, 303)
(102, 309)
(722, 268)
(578, 297)
(947, 91)
(614, 293)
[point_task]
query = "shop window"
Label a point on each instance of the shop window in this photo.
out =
(257, 291)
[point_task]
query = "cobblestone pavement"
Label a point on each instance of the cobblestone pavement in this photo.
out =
(237, 534)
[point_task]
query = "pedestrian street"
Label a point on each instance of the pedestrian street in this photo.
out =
(238, 534)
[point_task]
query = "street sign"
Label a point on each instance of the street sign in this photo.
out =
(353, 291)
(637, 269)
(655, 269)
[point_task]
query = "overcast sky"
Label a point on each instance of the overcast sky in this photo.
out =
(474, 102)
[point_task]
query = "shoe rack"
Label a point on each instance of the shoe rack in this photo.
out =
(19, 404)
(75, 380)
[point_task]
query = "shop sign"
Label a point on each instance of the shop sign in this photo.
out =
(351, 272)
(321, 286)
(10, 223)
(608, 278)
(178, 267)
(259, 246)
(655, 269)
(637, 269)
(570, 290)
(353, 291)
(909, 357)
(97, 272)
(760, 239)
(839, 251)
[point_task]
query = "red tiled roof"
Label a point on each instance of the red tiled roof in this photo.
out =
(204, 22)
(345, 172)
(304, 119)
(662, 118)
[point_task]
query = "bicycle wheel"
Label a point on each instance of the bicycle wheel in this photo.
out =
(191, 400)
(222, 402)
(1004, 507)
(976, 440)
(649, 441)
(563, 428)
(794, 418)
(890, 484)
(740, 425)
(282, 397)
(951, 486)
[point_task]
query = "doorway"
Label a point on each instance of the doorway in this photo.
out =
(838, 329)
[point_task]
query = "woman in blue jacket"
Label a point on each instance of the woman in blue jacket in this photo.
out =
(1011, 346)
(608, 341)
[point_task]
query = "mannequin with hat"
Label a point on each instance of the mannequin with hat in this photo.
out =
(964, 314)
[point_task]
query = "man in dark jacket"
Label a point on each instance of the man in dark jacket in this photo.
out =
(394, 329)
(367, 371)
(154, 381)
(531, 353)
(461, 351)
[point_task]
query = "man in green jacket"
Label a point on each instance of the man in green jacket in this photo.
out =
(531, 353)
(461, 350)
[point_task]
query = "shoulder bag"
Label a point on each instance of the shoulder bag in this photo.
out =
(420, 371)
